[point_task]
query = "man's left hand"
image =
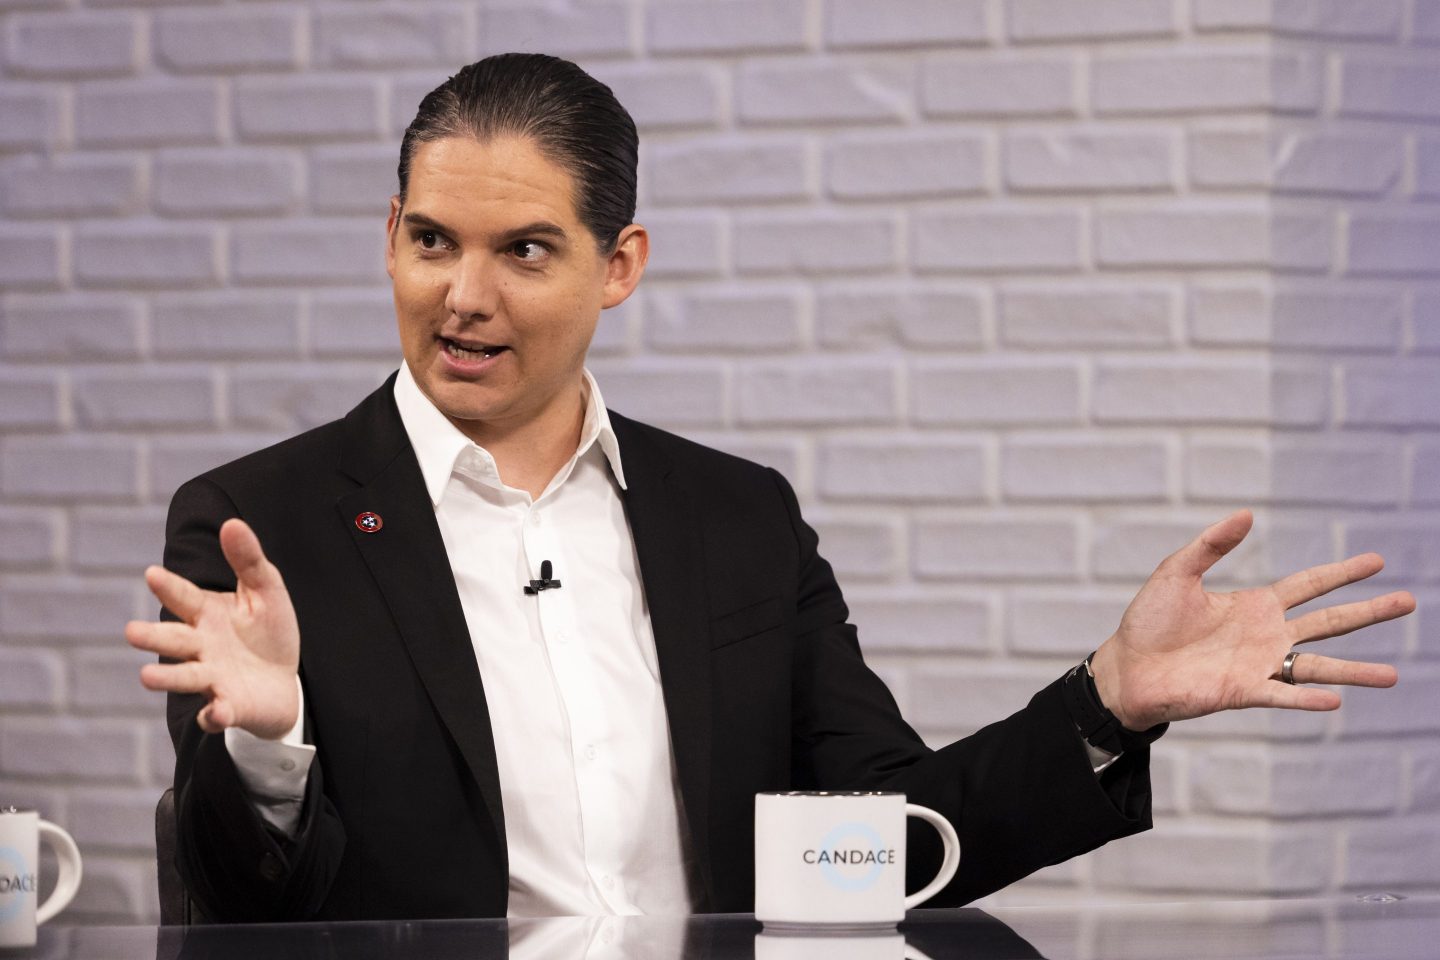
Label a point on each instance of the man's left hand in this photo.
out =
(1182, 652)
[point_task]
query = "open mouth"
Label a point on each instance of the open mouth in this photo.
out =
(473, 351)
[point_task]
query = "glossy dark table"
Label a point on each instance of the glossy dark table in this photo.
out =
(1341, 929)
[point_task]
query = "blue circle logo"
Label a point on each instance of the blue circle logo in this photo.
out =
(850, 836)
(13, 865)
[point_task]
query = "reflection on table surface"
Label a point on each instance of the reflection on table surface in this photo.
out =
(1342, 929)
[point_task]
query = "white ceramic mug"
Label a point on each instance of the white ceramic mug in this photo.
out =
(835, 858)
(20, 834)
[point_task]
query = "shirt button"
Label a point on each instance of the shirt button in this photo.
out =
(287, 765)
(590, 754)
(562, 637)
(608, 882)
(535, 519)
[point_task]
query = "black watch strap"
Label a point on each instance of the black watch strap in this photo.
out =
(1096, 723)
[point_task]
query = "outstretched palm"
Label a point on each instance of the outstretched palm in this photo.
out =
(1181, 651)
(241, 650)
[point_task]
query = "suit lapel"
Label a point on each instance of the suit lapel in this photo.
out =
(670, 547)
(407, 558)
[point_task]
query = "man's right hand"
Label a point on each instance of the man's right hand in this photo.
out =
(241, 650)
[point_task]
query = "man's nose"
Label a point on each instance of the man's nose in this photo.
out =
(473, 293)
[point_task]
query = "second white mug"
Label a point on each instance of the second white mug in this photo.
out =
(20, 912)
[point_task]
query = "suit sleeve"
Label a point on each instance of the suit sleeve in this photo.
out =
(1020, 792)
(234, 867)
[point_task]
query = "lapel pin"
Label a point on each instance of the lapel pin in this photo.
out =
(368, 522)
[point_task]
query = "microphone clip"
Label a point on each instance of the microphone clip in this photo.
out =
(544, 583)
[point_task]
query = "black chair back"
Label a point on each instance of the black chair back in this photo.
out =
(174, 904)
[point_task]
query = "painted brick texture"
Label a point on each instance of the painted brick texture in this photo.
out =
(1019, 294)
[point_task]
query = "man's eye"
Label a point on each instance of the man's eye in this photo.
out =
(430, 240)
(530, 251)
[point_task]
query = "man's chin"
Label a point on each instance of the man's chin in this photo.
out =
(469, 415)
(466, 402)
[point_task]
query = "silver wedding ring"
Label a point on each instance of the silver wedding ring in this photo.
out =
(1287, 669)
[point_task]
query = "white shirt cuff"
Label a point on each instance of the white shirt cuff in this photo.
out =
(1099, 759)
(274, 772)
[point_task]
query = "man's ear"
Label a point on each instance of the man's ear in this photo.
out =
(391, 223)
(626, 265)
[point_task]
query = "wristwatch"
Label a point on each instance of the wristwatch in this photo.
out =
(1097, 725)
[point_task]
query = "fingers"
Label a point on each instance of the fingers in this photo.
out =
(242, 551)
(1308, 584)
(1214, 542)
(1313, 668)
(190, 677)
(216, 716)
(187, 677)
(1342, 619)
(175, 640)
(1282, 695)
(175, 593)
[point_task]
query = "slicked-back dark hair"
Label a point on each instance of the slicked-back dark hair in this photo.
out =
(572, 118)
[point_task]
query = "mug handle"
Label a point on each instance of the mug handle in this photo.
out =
(66, 886)
(948, 865)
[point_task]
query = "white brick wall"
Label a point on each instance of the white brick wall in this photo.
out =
(906, 23)
(1080, 160)
(866, 166)
(75, 186)
(698, 27)
(94, 45)
(804, 92)
(856, 316)
(1019, 293)
(988, 85)
(992, 239)
(212, 41)
(1085, 314)
(725, 170)
(152, 112)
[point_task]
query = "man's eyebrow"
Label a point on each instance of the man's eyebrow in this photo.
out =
(420, 220)
(537, 228)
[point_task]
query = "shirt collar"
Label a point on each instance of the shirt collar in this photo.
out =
(438, 443)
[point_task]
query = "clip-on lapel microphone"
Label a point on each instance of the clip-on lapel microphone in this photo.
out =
(544, 583)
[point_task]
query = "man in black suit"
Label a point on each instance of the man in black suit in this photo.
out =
(444, 708)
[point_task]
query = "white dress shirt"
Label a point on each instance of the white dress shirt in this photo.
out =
(572, 683)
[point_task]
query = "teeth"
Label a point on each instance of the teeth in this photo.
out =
(461, 353)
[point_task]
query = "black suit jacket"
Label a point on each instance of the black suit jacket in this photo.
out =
(763, 680)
